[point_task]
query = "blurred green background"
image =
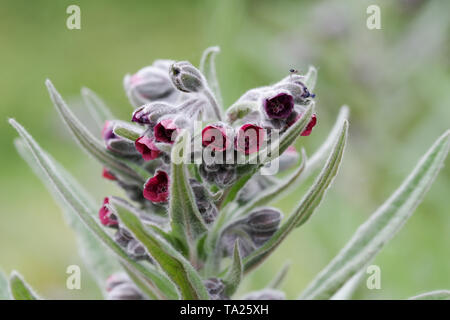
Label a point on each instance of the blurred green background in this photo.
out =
(396, 81)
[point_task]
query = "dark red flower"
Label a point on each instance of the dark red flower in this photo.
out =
(164, 130)
(249, 138)
(279, 106)
(108, 175)
(147, 148)
(312, 123)
(156, 189)
(107, 218)
(216, 137)
(140, 115)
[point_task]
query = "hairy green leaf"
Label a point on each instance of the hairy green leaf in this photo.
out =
(96, 106)
(155, 279)
(171, 261)
(92, 145)
(127, 131)
(307, 205)
(433, 295)
(100, 262)
(19, 289)
(311, 78)
(187, 222)
(278, 280)
(371, 236)
(4, 292)
(235, 272)
(208, 68)
(270, 194)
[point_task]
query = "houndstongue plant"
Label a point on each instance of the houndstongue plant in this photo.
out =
(199, 182)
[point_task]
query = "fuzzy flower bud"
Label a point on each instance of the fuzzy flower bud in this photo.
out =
(296, 115)
(278, 106)
(108, 175)
(249, 138)
(156, 189)
(216, 289)
(186, 77)
(120, 287)
(288, 159)
(150, 83)
(107, 217)
(146, 148)
(116, 144)
(205, 205)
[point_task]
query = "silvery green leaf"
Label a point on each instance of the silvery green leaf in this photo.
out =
(97, 107)
(101, 264)
(92, 145)
(433, 295)
(240, 109)
(179, 270)
(155, 280)
(19, 289)
(347, 290)
(4, 291)
(270, 194)
(140, 283)
(307, 205)
(311, 78)
(279, 277)
(234, 275)
(387, 220)
(208, 68)
(127, 131)
(187, 222)
(320, 155)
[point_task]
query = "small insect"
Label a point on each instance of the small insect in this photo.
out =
(292, 71)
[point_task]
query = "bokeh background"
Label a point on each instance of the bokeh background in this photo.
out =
(396, 81)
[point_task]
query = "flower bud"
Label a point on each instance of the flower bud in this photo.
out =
(156, 189)
(216, 289)
(263, 220)
(265, 294)
(136, 250)
(186, 77)
(149, 84)
(165, 131)
(296, 115)
(146, 148)
(249, 138)
(122, 237)
(216, 136)
(108, 175)
(278, 106)
(116, 144)
(125, 291)
(107, 217)
(205, 205)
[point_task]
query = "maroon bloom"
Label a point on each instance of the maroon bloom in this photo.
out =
(312, 123)
(249, 139)
(108, 175)
(147, 148)
(279, 106)
(215, 136)
(156, 189)
(310, 126)
(107, 218)
(164, 130)
(140, 115)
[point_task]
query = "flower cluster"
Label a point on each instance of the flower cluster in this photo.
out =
(172, 97)
(191, 229)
